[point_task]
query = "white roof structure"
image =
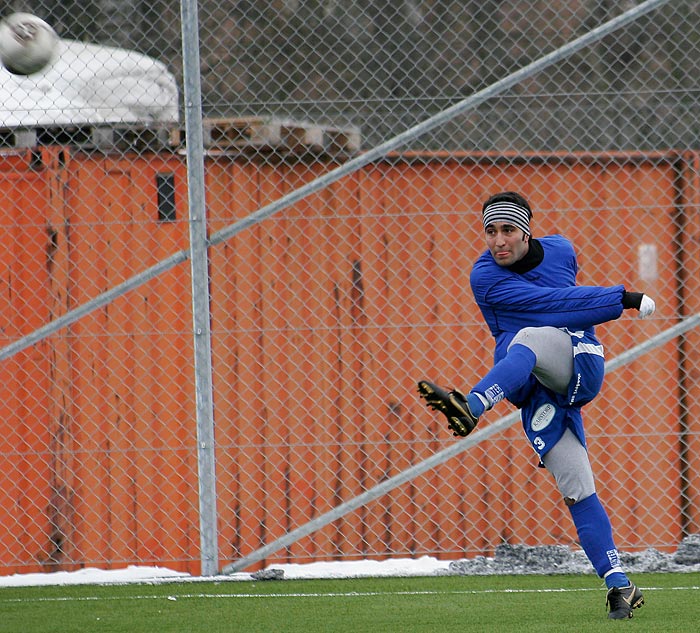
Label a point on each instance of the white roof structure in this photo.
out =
(90, 84)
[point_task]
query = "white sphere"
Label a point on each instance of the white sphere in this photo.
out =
(27, 44)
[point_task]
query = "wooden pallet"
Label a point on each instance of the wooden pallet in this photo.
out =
(18, 138)
(104, 137)
(246, 134)
(140, 138)
(281, 135)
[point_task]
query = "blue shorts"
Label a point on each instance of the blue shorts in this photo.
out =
(546, 415)
(545, 419)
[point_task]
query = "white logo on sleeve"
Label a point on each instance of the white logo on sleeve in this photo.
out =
(542, 417)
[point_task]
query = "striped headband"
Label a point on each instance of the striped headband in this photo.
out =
(508, 212)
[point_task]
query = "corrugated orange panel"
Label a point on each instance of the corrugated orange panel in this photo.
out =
(94, 498)
(228, 262)
(418, 236)
(29, 282)
(249, 392)
(121, 423)
(689, 261)
(169, 303)
(166, 424)
(345, 303)
(643, 203)
(373, 404)
(282, 358)
(386, 406)
(229, 193)
(13, 554)
(400, 271)
(167, 363)
(438, 292)
(60, 413)
(288, 493)
(277, 357)
(458, 346)
(24, 430)
(608, 253)
(316, 290)
(108, 364)
(239, 346)
(150, 326)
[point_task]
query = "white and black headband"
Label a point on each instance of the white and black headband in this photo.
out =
(509, 213)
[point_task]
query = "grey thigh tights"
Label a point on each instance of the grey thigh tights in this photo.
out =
(555, 357)
(567, 460)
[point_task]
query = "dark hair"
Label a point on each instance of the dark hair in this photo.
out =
(509, 196)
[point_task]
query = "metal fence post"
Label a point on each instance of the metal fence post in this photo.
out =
(200, 289)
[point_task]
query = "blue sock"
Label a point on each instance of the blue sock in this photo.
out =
(617, 579)
(508, 375)
(596, 538)
(476, 404)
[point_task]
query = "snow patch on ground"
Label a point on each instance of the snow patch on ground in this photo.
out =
(508, 560)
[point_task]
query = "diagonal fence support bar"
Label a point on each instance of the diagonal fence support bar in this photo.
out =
(98, 302)
(373, 493)
(442, 456)
(352, 165)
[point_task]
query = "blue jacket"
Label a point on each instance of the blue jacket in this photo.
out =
(546, 295)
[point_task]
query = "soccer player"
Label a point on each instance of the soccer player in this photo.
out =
(548, 363)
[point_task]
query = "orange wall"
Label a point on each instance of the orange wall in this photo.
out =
(323, 319)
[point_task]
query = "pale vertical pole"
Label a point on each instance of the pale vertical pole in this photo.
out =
(200, 289)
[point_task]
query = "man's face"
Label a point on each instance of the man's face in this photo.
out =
(507, 243)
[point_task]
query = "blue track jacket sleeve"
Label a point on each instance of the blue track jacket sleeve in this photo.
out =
(515, 303)
(545, 296)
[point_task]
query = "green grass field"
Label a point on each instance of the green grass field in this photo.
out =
(574, 604)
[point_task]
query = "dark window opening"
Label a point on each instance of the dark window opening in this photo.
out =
(165, 184)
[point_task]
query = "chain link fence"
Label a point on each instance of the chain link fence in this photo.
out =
(282, 422)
